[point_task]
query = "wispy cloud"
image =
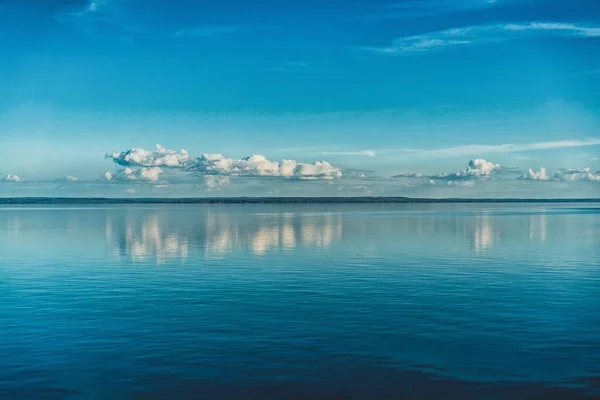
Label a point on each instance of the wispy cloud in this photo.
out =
(571, 29)
(471, 149)
(481, 34)
(211, 31)
(101, 18)
(367, 153)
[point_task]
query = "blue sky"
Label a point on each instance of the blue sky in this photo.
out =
(364, 98)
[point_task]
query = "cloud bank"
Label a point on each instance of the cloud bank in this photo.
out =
(574, 174)
(146, 165)
(259, 165)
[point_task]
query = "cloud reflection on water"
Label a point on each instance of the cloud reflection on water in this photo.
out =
(160, 234)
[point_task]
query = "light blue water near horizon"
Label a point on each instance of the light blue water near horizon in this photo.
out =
(300, 301)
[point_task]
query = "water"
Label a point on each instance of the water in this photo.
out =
(300, 301)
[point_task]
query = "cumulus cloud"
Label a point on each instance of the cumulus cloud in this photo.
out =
(259, 165)
(477, 168)
(575, 174)
(214, 182)
(161, 157)
(563, 174)
(71, 178)
(10, 179)
(533, 175)
(129, 174)
(255, 165)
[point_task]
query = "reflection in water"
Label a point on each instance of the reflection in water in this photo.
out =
(162, 236)
(537, 228)
(282, 295)
(12, 225)
(484, 236)
(169, 233)
(146, 239)
(260, 234)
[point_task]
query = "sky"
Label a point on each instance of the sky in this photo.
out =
(418, 98)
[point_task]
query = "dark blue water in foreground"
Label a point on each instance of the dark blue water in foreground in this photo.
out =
(300, 301)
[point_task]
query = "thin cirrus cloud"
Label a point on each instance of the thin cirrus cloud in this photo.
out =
(366, 153)
(471, 149)
(109, 19)
(483, 34)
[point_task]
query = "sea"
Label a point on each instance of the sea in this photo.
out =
(305, 301)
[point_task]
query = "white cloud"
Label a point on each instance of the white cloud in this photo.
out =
(162, 157)
(533, 175)
(151, 174)
(71, 178)
(450, 183)
(259, 165)
(213, 164)
(556, 26)
(574, 174)
(480, 34)
(477, 168)
(214, 182)
(94, 5)
(10, 179)
(409, 175)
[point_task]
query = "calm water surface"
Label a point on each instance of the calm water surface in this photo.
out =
(300, 301)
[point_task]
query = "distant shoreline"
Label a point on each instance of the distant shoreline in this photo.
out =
(275, 200)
